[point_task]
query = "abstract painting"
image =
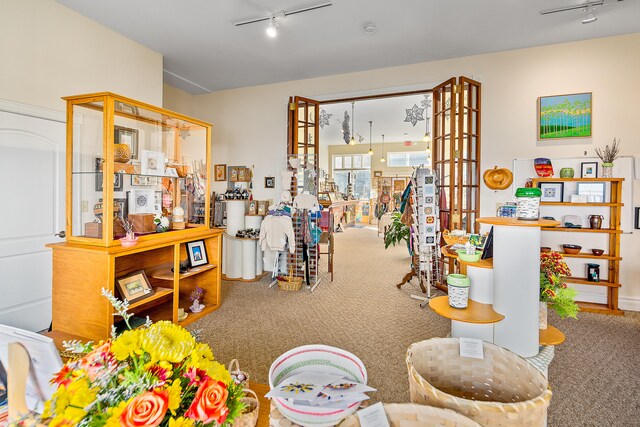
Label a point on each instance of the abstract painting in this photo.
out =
(564, 116)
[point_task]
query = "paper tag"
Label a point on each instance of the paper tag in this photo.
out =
(471, 347)
(373, 416)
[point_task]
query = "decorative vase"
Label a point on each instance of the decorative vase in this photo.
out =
(121, 153)
(542, 315)
(567, 173)
(607, 170)
(129, 240)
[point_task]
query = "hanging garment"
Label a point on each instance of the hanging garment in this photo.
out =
(286, 179)
(275, 231)
(306, 201)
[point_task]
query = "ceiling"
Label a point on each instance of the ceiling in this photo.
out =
(204, 51)
(387, 114)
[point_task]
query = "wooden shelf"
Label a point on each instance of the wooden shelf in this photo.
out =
(192, 317)
(584, 281)
(483, 263)
(579, 204)
(591, 256)
(551, 179)
(593, 307)
(551, 336)
(159, 292)
(163, 271)
(474, 313)
(513, 222)
(583, 230)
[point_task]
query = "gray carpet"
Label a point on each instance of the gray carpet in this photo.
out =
(595, 375)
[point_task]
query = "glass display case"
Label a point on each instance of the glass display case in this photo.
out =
(155, 161)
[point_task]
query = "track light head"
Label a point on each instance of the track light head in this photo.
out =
(589, 15)
(272, 29)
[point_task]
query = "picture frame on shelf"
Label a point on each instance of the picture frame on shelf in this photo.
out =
(134, 286)
(157, 202)
(117, 177)
(589, 170)
(269, 182)
(594, 191)
(220, 172)
(637, 218)
(197, 253)
(551, 191)
(152, 163)
(233, 174)
(253, 207)
(143, 181)
(142, 201)
(127, 136)
(242, 174)
(263, 207)
(564, 116)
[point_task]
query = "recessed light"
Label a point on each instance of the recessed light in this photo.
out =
(370, 28)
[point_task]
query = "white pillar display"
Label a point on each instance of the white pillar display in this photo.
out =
(234, 258)
(235, 216)
(248, 259)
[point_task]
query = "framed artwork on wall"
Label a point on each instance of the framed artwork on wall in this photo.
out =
(589, 170)
(269, 182)
(220, 172)
(233, 175)
(637, 219)
(564, 116)
(551, 191)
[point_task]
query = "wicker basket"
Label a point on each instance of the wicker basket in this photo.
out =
(500, 390)
(452, 240)
(249, 416)
(290, 283)
(239, 377)
(401, 414)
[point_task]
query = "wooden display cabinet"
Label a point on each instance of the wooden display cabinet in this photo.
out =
(156, 159)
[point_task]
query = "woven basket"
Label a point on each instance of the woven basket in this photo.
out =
(409, 414)
(290, 284)
(239, 377)
(500, 390)
(249, 416)
(452, 240)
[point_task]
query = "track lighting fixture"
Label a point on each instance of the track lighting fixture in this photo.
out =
(589, 15)
(272, 29)
(370, 127)
(275, 18)
(352, 141)
(382, 159)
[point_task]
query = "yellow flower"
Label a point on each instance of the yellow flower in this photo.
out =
(114, 414)
(181, 422)
(126, 345)
(174, 396)
(165, 341)
(68, 403)
(61, 422)
(218, 372)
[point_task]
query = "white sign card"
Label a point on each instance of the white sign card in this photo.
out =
(471, 347)
(373, 416)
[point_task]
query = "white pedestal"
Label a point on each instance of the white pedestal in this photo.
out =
(235, 216)
(233, 258)
(248, 259)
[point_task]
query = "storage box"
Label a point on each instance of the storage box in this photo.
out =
(142, 223)
(94, 229)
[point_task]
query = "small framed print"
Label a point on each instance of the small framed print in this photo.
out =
(220, 172)
(637, 219)
(253, 207)
(143, 181)
(197, 253)
(152, 162)
(242, 174)
(589, 170)
(117, 178)
(377, 173)
(263, 206)
(142, 201)
(129, 137)
(134, 286)
(269, 182)
(233, 174)
(551, 191)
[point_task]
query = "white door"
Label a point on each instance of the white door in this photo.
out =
(32, 195)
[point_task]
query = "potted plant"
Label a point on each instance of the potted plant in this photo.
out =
(554, 291)
(608, 155)
(396, 232)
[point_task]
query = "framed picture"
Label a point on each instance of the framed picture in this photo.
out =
(637, 219)
(551, 191)
(157, 202)
(143, 181)
(377, 173)
(129, 137)
(263, 207)
(269, 182)
(399, 184)
(564, 116)
(142, 201)
(242, 174)
(152, 162)
(197, 253)
(589, 170)
(253, 207)
(593, 191)
(233, 174)
(134, 286)
(220, 172)
(117, 178)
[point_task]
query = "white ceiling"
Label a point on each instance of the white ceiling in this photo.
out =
(201, 45)
(387, 115)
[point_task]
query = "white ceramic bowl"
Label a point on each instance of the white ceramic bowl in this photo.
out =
(316, 358)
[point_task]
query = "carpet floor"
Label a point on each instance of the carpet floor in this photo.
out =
(595, 376)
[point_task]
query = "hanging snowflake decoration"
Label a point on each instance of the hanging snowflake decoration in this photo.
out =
(414, 114)
(346, 130)
(324, 118)
(426, 102)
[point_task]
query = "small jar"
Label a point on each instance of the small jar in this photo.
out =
(458, 288)
(528, 205)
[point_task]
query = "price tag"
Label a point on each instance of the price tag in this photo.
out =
(471, 347)
(373, 416)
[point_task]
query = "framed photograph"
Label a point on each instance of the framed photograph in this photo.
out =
(142, 201)
(117, 178)
(564, 116)
(233, 174)
(242, 174)
(263, 207)
(589, 170)
(593, 191)
(143, 181)
(152, 162)
(269, 182)
(129, 137)
(377, 173)
(637, 219)
(551, 191)
(134, 286)
(157, 202)
(399, 184)
(220, 172)
(253, 207)
(197, 253)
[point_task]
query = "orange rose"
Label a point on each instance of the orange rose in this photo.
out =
(210, 403)
(145, 410)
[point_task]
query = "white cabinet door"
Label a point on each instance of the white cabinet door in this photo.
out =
(32, 208)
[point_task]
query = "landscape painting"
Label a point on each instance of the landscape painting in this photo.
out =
(564, 116)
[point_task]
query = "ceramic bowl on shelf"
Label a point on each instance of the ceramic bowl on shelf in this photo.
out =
(127, 242)
(571, 249)
(597, 252)
(463, 256)
(545, 249)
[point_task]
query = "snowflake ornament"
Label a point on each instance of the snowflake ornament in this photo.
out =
(414, 114)
(324, 118)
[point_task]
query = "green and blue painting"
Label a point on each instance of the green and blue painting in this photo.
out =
(564, 116)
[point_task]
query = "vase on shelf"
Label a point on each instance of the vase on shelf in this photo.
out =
(542, 315)
(567, 173)
(607, 170)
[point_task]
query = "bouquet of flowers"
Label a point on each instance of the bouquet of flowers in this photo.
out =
(553, 288)
(158, 375)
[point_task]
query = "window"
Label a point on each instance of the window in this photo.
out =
(354, 170)
(407, 159)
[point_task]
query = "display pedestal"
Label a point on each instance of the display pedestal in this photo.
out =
(242, 256)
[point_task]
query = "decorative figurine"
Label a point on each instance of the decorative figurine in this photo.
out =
(196, 296)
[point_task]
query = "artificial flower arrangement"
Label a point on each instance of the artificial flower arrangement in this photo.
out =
(162, 223)
(158, 375)
(553, 287)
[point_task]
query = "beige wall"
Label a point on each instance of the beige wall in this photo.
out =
(250, 123)
(49, 51)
